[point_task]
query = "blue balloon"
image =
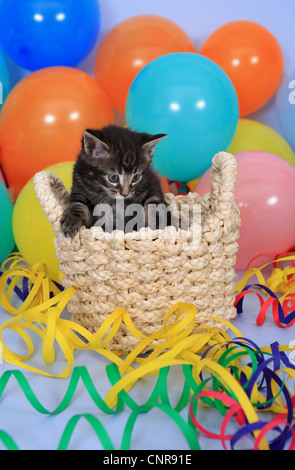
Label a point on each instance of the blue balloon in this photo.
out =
(4, 79)
(285, 104)
(189, 98)
(37, 34)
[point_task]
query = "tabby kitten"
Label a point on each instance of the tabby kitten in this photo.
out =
(113, 169)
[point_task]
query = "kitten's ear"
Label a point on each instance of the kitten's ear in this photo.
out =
(149, 146)
(95, 147)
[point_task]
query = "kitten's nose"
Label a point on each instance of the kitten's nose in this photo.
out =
(125, 191)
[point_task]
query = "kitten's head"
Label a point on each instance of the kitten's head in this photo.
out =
(118, 157)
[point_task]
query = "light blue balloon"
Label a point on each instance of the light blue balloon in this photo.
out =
(6, 234)
(44, 33)
(192, 100)
(285, 104)
(4, 79)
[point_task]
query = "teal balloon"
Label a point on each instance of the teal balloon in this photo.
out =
(6, 235)
(4, 79)
(192, 100)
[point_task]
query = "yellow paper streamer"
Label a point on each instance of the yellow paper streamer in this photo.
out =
(180, 343)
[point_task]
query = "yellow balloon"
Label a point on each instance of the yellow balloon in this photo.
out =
(192, 184)
(253, 135)
(32, 231)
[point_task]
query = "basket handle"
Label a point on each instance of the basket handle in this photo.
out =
(52, 195)
(223, 181)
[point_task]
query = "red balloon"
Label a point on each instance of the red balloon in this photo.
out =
(131, 45)
(43, 119)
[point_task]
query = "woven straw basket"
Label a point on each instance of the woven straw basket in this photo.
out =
(147, 272)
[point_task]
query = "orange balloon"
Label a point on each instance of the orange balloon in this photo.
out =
(251, 57)
(2, 177)
(43, 119)
(132, 44)
(164, 184)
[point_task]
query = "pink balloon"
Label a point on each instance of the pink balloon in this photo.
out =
(265, 195)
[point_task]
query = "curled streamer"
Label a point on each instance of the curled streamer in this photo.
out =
(234, 376)
(276, 292)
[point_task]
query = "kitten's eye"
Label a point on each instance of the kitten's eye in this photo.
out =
(113, 178)
(136, 178)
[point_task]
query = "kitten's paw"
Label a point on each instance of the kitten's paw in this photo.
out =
(75, 216)
(70, 225)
